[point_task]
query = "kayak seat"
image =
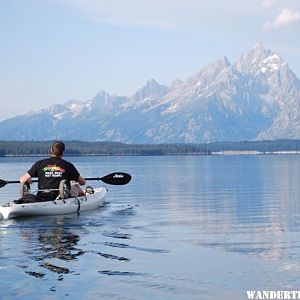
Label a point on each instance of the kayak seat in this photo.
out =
(64, 189)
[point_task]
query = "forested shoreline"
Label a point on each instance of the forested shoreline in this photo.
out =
(80, 148)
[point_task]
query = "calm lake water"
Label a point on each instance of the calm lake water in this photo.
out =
(185, 227)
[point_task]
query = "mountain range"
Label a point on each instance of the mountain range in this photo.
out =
(255, 98)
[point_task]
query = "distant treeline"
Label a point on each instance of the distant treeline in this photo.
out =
(77, 148)
(261, 146)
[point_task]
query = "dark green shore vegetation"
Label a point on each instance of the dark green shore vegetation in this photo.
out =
(78, 148)
(268, 146)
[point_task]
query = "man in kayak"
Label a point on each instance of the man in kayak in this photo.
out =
(50, 172)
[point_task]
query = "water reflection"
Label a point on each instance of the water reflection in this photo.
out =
(60, 243)
(54, 247)
(245, 205)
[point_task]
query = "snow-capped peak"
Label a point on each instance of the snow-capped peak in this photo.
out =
(73, 104)
(271, 63)
(259, 60)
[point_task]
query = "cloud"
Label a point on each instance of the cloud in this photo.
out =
(285, 18)
(147, 14)
(163, 14)
(268, 3)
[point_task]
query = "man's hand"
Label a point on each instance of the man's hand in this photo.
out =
(26, 178)
(80, 180)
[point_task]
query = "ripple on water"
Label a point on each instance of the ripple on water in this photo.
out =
(121, 273)
(111, 256)
(143, 249)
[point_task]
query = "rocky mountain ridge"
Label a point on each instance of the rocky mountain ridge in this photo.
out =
(255, 98)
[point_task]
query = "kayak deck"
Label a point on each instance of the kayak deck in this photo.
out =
(56, 207)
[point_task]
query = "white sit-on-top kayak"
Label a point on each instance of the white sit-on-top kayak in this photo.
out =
(56, 207)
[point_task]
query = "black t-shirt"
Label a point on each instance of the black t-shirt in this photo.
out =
(51, 171)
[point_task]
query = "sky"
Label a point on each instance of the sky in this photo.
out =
(52, 51)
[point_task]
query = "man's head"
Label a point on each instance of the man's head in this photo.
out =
(57, 149)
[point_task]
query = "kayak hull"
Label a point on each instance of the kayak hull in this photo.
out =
(55, 207)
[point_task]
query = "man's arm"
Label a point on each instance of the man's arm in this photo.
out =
(26, 178)
(73, 173)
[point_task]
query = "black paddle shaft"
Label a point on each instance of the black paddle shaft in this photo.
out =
(5, 182)
(117, 178)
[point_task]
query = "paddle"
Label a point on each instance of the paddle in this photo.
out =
(117, 178)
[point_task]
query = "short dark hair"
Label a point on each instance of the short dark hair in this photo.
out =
(58, 148)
